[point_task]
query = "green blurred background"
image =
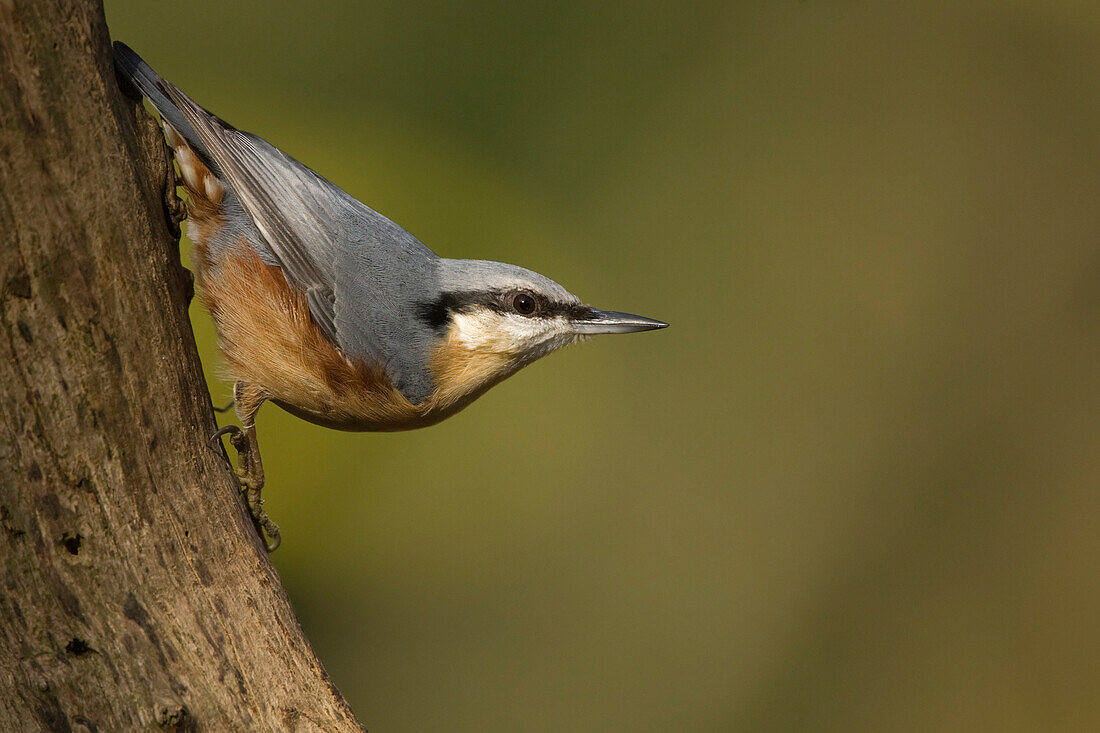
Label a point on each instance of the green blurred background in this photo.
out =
(855, 485)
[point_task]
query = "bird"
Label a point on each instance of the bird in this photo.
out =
(331, 311)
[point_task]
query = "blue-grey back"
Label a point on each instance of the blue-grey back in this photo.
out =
(363, 276)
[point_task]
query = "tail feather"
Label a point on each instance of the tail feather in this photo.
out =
(195, 165)
(153, 87)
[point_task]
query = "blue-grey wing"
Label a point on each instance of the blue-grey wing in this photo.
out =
(363, 275)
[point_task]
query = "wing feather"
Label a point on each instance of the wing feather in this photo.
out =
(362, 275)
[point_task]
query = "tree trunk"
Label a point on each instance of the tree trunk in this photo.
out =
(136, 593)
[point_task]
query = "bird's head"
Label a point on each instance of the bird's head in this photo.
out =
(492, 319)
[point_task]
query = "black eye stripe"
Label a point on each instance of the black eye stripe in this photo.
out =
(437, 313)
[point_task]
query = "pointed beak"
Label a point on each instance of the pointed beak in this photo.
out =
(595, 321)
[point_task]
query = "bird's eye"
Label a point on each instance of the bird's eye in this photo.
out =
(524, 303)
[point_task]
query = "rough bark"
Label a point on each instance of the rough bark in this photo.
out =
(136, 593)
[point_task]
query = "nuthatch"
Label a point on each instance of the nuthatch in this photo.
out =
(330, 310)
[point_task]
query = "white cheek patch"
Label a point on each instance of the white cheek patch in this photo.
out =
(510, 333)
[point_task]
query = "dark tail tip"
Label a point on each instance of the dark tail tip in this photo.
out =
(128, 66)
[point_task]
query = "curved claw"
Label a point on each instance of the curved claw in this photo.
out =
(270, 530)
(231, 430)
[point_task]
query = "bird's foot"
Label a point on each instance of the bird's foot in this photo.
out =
(250, 479)
(269, 531)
